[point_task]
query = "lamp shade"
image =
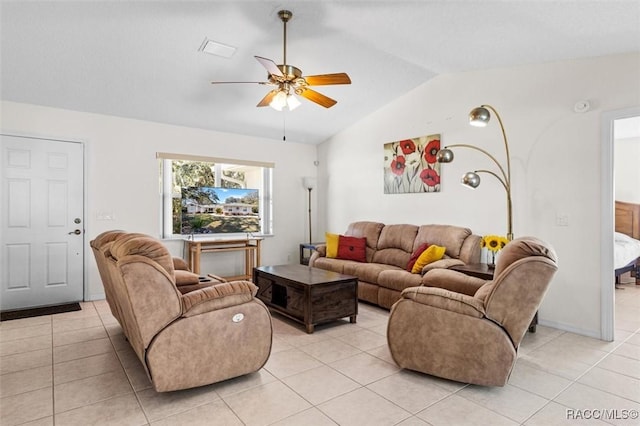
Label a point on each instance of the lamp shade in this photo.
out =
(279, 101)
(444, 156)
(292, 102)
(284, 100)
(479, 117)
(470, 179)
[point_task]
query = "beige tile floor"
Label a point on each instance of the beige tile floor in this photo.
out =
(77, 369)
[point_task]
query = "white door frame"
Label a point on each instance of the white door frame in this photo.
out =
(607, 198)
(85, 205)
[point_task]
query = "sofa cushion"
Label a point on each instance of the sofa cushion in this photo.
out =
(331, 264)
(428, 256)
(398, 279)
(395, 245)
(352, 248)
(415, 255)
(368, 272)
(398, 236)
(449, 236)
(332, 244)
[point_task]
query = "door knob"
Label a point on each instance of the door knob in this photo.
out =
(77, 232)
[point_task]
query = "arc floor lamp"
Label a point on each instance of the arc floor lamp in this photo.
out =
(480, 117)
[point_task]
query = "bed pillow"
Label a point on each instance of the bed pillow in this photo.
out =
(352, 248)
(332, 244)
(431, 254)
(414, 256)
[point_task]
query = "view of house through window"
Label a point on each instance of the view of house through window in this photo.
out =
(208, 196)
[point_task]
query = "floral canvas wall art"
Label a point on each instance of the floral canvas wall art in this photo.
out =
(410, 165)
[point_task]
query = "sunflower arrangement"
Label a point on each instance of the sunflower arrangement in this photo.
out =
(493, 243)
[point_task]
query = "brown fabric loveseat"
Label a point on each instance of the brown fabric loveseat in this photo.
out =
(214, 332)
(383, 276)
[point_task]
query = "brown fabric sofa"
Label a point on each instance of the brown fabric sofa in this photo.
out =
(184, 339)
(472, 338)
(383, 276)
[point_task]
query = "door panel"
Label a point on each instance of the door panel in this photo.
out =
(42, 196)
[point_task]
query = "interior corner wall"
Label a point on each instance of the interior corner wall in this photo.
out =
(122, 177)
(555, 155)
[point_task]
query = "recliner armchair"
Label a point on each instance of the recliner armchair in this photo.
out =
(472, 338)
(183, 340)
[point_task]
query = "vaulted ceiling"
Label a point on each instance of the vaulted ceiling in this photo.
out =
(141, 59)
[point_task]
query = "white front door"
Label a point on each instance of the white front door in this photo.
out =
(42, 222)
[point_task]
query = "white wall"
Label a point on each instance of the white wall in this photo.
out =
(122, 176)
(555, 165)
(627, 170)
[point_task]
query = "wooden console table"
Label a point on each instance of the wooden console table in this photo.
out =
(250, 247)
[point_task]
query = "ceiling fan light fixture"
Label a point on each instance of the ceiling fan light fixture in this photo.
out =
(293, 102)
(283, 100)
(279, 101)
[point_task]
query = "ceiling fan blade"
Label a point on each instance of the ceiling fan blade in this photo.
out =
(270, 66)
(318, 98)
(267, 99)
(327, 79)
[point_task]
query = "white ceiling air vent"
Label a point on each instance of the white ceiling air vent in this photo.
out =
(218, 49)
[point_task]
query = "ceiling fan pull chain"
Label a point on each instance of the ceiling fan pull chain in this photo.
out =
(284, 128)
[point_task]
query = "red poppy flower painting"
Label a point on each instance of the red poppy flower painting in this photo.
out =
(410, 165)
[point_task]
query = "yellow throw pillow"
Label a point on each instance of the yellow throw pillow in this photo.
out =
(332, 244)
(431, 254)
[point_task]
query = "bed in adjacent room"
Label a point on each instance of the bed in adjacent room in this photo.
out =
(627, 240)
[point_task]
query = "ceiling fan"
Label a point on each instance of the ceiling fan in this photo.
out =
(288, 80)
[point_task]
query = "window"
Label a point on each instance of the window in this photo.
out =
(214, 196)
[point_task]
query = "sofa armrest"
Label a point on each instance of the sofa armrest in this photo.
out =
(442, 264)
(453, 281)
(217, 296)
(180, 264)
(185, 277)
(445, 299)
(319, 251)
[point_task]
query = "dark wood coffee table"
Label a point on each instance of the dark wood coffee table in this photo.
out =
(307, 295)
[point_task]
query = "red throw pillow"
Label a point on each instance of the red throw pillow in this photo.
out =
(352, 248)
(415, 255)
